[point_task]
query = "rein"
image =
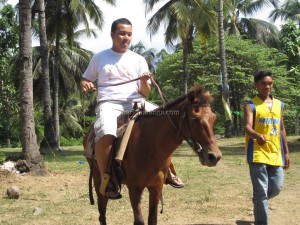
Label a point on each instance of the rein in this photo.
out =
(125, 82)
(163, 97)
(190, 140)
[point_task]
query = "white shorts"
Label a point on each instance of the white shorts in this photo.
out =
(107, 114)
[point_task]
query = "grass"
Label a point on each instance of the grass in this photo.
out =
(217, 195)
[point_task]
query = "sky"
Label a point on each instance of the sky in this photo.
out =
(134, 10)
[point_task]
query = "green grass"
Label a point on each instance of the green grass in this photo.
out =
(217, 195)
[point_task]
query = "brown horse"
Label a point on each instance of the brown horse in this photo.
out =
(154, 137)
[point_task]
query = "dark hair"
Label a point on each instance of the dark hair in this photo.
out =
(262, 73)
(116, 22)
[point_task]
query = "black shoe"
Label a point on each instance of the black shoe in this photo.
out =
(111, 194)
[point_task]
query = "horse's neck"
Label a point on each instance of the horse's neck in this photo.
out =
(165, 128)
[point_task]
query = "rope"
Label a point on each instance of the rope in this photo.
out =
(162, 96)
(125, 82)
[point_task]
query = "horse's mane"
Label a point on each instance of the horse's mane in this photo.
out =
(197, 94)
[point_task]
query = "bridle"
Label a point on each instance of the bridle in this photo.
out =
(184, 118)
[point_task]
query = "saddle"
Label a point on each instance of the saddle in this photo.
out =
(114, 176)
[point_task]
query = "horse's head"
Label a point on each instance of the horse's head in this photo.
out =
(200, 123)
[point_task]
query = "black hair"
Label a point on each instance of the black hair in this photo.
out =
(262, 73)
(116, 22)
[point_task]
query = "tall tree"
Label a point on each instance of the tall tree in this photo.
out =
(2, 2)
(290, 45)
(289, 10)
(56, 72)
(63, 18)
(225, 86)
(72, 64)
(148, 54)
(49, 138)
(184, 19)
(239, 22)
(30, 150)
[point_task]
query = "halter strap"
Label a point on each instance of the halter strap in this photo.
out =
(190, 140)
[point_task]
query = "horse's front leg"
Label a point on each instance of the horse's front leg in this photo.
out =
(135, 195)
(154, 196)
(101, 200)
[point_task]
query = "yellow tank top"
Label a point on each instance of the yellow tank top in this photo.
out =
(267, 122)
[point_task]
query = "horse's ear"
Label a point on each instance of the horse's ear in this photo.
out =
(208, 97)
(191, 96)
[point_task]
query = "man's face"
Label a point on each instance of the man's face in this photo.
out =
(122, 38)
(264, 86)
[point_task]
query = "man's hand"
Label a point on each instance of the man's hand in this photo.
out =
(87, 86)
(287, 161)
(145, 76)
(261, 139)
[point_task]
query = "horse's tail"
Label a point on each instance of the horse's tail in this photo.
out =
(89, 153)
(162, 203)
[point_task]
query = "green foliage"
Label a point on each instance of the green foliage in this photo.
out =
(2, 157)
(9, 31)
(243, 59)
(71, 141)
(39, 123)
(9, 103)
(290, 42)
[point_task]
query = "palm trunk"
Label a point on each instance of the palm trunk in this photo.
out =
(56, 75)
(187, 49)
(49, 141)
(185, 71)
(30, 150)
(225, 90)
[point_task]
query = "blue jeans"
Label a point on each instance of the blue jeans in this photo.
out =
(267, 182)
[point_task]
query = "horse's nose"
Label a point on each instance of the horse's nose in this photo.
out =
(213, 158)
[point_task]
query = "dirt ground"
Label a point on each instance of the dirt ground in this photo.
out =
(219, 195)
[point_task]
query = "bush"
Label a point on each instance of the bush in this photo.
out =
(70, 141)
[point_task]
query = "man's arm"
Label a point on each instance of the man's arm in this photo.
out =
(248, 119)
(144, 88)
(285, 145)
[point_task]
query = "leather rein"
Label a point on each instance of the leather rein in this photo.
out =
(184, 118)
(163, 97)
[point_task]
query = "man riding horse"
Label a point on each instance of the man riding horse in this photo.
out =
(110, 67)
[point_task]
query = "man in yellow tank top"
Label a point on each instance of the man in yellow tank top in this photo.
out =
(266, 144)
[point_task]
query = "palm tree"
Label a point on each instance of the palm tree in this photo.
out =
(225, 90)
(184, 19)
(148, 54)
(261, 31)
(28, 137)
(289, 10)
(72, 65)
(2, 2)
(64, 17)
(49, 140)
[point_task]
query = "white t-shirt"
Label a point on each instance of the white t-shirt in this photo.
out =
(109, 67)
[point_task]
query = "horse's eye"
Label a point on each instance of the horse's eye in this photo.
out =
(196, 120)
